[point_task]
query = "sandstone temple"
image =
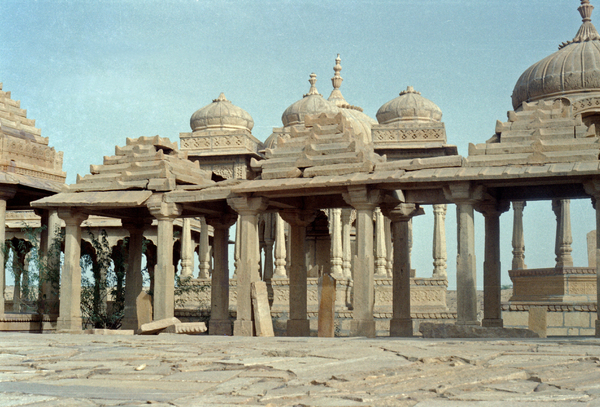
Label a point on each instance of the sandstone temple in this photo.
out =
(327, 197)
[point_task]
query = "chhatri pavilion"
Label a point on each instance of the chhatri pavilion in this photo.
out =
(333, 191)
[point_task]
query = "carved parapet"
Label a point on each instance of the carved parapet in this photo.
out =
(556, 284)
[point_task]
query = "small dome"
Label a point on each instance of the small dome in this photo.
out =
(575, 67)
(410, 105)
(221, 114)
(311, 103)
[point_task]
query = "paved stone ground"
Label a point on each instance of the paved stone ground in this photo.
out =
(179, 370)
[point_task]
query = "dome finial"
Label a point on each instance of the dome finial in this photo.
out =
(337, 78)
(221, 98)
(585, 10)
(313, 89)
(587, 31)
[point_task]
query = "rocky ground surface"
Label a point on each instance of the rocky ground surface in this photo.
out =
(179, 370)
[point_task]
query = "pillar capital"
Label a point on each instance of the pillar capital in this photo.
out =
(72, 217)
(7, 192)
(518, 205)
(163, 210)
(491, 208)
(135, 225)
(245, 205)
(225, 221)
(402, 212)
(464, 192)
(298, 217)
(592, 188)
(361, 198)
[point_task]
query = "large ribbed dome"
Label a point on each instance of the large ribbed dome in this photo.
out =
(410, 105)
(221, 114)
(311, 103)
(575, 67)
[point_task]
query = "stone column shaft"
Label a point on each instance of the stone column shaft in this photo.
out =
(5, 194)
(187, 249)
(269, 238)
(492, 285)
(204, 251)
(364, 201)
(133, 275)
(69, 319)
(337, 269)
(518, 240)
(219, 323)
(346, 245)
(400, 216)
(298, 324)
(564, 239)
(466, 267)
(248, 264)
(380, 249)
(164, 272)
(280, 252)
(439, 241)
(49, 287)
(593, 188)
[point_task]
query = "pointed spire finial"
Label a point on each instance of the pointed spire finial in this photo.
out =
(585, 10)
(313, 89)
(221, 98)
(337, 79)
(587, 31)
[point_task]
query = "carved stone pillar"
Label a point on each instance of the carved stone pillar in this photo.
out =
(69, 319)
(364, 201)
(280, 252)
(389, 251)
(564, 239)
(236, 249)
(133, 277)
(187, 249)
(5, 194)
(219, 323)
(204, 251)
(400, 215)
(337, 262)
(593, 189)
(346, 245)
(248, 264)
(50, 267)
(439, 241)
(164, 273)
(269, 237)
(465, 196)
(380, 249)
(518, 240)
(492, 291)
(298, 324)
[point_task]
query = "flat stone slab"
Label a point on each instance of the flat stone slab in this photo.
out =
(108, 331)
(433, 330)
(155, 327)
(186, 328)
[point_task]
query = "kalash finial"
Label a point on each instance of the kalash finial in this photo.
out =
(221, 98)
(336, 81)
(587, 31)
(313, 89)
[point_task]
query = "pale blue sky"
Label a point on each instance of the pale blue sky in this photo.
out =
(95, 72)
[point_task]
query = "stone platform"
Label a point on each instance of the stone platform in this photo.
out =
(55, 370)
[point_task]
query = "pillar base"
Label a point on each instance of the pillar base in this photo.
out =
(71, 325)
(492, 322)
(243, 328)
(362, 328)
(402, 327)
(130, 323)
(219, 327)
(298, 327)
(597, 328)
(475, 323)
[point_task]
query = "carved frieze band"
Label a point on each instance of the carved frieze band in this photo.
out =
(217, 142)
(586, 104)
(408, 135)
